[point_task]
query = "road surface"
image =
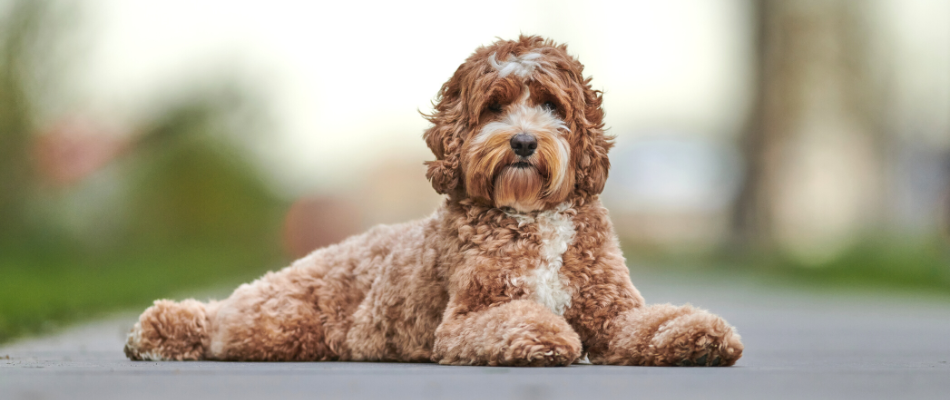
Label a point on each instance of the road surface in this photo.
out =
(799, 345)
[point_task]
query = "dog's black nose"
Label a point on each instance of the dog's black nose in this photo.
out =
(523, 144)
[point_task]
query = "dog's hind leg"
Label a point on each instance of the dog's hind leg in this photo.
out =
(171, 330)
(275, 318)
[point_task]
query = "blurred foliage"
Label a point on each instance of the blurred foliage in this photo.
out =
(188, 185)
(178, 209)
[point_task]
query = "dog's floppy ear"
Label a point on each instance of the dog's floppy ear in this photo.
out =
(593, 163)
(443, 172)
(443, 138)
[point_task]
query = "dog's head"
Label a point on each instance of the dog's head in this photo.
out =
(518, 126)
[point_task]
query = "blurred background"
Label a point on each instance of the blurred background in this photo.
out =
(152, 149)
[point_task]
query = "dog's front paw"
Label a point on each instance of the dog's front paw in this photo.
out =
(696, 339)
(555, 349)
(517, 333)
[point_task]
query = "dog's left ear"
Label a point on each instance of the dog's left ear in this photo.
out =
(443, 138)
(593, 163)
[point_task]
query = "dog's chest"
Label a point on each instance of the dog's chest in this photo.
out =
(556, 233)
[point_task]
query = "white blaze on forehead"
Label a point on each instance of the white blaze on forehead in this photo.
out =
(521, 66)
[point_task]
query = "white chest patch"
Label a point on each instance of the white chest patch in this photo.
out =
(556, 229)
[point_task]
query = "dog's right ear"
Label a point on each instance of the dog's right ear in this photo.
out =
(443, 172)
(444, 137)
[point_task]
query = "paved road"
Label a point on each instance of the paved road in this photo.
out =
(798, 345)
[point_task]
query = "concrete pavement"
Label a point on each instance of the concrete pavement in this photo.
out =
(810, 345)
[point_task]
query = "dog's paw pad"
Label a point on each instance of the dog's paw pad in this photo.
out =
(702, 360)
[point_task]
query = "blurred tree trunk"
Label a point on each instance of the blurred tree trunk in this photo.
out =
(811, 142)
(750, 220)
(17, 29)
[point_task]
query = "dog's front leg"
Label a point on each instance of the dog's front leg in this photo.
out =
(618, 328)
(666, 335)
(518, 332)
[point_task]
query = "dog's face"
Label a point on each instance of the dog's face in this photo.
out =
(518, 126)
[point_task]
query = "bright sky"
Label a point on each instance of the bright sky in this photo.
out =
(344, 79)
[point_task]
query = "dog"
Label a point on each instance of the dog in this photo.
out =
(520, 265)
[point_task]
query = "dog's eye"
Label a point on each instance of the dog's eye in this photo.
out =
(550, 106)
(494, 107)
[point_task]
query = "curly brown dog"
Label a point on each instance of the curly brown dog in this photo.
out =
(519, 266)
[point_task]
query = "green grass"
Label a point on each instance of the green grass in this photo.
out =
(910, 265)
(40, 292)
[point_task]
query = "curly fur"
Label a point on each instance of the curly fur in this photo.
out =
(519, 266)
